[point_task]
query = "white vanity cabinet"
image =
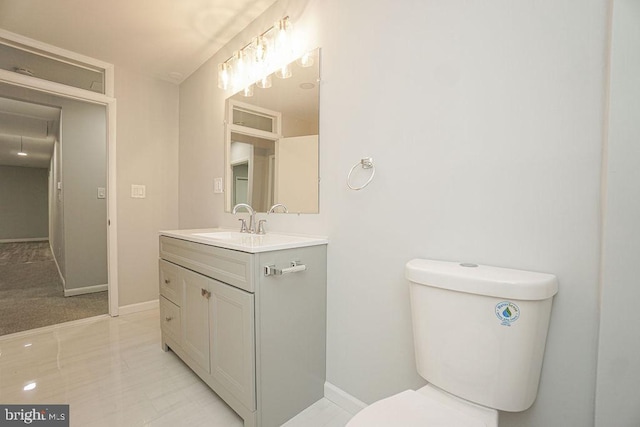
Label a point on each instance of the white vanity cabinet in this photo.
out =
(258, 341)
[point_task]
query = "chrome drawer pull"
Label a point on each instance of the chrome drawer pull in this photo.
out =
(205, 293)
(167, 281)
(296, 266)
(168, 318)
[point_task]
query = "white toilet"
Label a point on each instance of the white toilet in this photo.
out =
(479, 334)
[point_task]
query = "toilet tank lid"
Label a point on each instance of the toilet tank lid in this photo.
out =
(482, 279)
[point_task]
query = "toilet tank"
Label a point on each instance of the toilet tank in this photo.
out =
(480, 331)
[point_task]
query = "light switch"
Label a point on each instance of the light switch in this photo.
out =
(138, 191)
(102, 193)
(217, 185)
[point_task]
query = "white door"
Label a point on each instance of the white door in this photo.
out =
(195, 317)
(297, 173)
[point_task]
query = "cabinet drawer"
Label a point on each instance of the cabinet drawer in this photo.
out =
(170, 319)
(225, 265)
(169, 283)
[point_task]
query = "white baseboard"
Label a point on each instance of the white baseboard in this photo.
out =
(141, 306)
(30, 239)
(85, 290)
(343, 399)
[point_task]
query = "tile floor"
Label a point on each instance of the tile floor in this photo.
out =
(112, 372)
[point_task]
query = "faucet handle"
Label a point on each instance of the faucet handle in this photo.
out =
(261, 229)
(243, 225)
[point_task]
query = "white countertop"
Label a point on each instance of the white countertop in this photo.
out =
(252, 243)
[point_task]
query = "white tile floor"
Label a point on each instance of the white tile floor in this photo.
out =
(112, 372)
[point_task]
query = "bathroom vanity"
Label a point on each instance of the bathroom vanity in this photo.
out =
(247, 313)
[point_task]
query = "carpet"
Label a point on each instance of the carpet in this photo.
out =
(31, 293)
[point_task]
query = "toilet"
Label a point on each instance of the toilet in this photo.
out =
(479, 334)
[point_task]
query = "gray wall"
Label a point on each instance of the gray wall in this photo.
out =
(485, 120)
(83, 169)
(147, 153)
(23, 203)
(619, 345)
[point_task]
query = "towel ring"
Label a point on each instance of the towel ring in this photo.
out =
(366, 163)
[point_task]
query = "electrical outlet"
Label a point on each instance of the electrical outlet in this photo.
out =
(102, 193)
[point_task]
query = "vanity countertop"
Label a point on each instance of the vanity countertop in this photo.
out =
(251, 243)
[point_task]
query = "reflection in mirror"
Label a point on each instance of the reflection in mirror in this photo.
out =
(271, 142)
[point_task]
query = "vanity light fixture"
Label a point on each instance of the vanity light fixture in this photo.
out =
(269, 53)
(22, 152)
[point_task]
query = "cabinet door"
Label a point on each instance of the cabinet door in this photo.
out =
(195, 317)
(233, 341)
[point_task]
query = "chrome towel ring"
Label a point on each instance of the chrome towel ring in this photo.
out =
(366, 163)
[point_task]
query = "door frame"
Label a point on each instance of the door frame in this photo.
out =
(109, 102)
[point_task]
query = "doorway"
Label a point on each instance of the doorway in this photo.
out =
(53, 237)
(102, 96)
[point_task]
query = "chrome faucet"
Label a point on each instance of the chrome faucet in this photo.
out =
(252, 218)
(276, 206)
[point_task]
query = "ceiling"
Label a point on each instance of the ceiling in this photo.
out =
(167, 38)
(28, 127)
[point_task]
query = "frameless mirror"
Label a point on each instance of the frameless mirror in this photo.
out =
(271, 141)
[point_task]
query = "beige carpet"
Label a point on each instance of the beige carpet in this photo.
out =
(31, 294)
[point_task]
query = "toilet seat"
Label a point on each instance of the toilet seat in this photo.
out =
(415, 409)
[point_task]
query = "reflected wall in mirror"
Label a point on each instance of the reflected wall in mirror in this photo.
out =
(271, 141)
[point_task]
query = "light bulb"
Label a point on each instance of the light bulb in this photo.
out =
(260, 49)
(247, 91)
(283, 72)
(305, 60)
(283, 34)
(264, 83)
(21, 152)
(223, 76)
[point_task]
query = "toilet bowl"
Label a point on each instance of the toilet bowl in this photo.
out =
(479, 336)
(426, 407)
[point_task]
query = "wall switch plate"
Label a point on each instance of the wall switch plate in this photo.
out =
(217, 185)
(138, 191)
(102, 193)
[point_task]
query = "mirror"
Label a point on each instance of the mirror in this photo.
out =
(271, 142)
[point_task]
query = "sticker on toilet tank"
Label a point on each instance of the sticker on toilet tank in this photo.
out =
(507, 312)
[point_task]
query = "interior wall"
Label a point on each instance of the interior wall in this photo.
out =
(619, 346)
(147, 151)
(84, 170)
(485, 122)
(23, 197)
